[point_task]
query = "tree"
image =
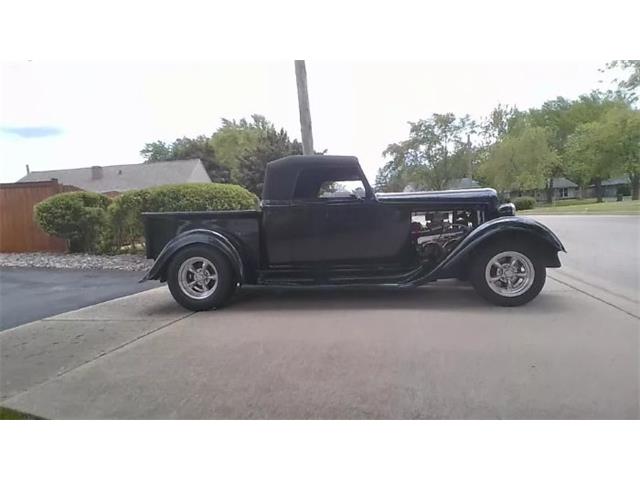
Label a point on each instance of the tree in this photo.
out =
(561, 117)
(588, 158)
(608, 147)
(403, 168)
(236, 153)
(519, 161)
(235, 138)
(271, 145)
(631, 83)
(499, 123)
(246, 146)
(437, 151)
(156, 152)
(623, 135)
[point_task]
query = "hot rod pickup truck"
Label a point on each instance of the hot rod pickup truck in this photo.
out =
(320, 224)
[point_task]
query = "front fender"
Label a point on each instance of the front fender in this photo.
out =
(524, 227)
(191, 237)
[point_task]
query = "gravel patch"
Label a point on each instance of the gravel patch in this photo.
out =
(81, 261)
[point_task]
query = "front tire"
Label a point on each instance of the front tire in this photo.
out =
(201, 278)
(508, 274)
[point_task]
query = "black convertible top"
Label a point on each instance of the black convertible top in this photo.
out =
(280, 175)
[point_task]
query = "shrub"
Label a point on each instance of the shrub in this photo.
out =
(124, 213)
(78, 217)
(125, 223)
(200, 197)
(524, 203)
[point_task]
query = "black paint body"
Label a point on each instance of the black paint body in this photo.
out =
(336, 241)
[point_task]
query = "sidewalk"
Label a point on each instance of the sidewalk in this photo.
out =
(437, 352)
(49, 348)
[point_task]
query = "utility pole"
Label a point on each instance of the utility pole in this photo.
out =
(469, 165)
(303, 105)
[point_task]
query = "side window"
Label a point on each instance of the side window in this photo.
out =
(345, 188)
(327, 183)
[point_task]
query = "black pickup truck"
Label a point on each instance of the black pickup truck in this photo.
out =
(320, 224)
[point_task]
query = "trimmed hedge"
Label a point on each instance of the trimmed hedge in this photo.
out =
(78, 217)
(524, 203)
(194, 197)
(124, 213)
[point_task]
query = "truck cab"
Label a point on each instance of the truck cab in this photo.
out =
(323, 210)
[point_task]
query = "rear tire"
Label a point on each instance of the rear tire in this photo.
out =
(508, 274)
(201, 278)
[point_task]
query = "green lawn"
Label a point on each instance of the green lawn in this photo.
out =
(586, 207)
(8, 414)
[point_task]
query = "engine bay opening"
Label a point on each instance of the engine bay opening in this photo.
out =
(434, 234)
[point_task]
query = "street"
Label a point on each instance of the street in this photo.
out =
(603, 255)
(28, 294)
(433, 352)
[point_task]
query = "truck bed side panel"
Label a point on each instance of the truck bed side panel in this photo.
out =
(242, 228)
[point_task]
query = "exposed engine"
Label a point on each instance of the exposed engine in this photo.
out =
(439, 234)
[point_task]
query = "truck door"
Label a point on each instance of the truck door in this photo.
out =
(293, 232)
(333, 217)
(360, 229)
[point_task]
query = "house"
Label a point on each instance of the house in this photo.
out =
(563, 188)
(610, 187)
(112, 180)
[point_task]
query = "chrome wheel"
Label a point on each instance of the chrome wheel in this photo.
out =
(198, 278)
(509, 274)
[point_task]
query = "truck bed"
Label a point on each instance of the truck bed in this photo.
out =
(242, 227)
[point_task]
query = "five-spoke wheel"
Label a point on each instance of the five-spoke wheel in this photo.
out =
(200, 278)
(508, 274)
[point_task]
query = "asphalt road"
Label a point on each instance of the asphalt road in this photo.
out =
(603, 251)
(28, 294)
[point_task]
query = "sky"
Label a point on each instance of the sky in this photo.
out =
(69, 115)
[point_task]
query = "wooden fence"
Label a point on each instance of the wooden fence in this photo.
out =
(18, 231)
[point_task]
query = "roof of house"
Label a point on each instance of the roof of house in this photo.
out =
(561, 182)
(121, 178)
(617, 181)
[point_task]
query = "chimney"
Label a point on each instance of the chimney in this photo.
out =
(28, 169)
(96, 173)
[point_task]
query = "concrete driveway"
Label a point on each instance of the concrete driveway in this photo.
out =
(28, 294)
(434, 352)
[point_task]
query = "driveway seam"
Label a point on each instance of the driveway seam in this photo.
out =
(564, 273)
(100, 320)
(102, 354)
(594, 296)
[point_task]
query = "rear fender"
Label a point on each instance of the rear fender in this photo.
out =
(520, 228)
(211, 238)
